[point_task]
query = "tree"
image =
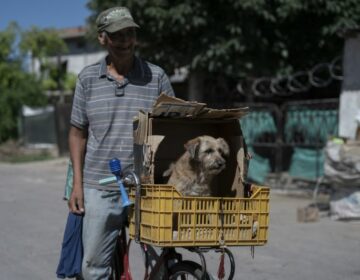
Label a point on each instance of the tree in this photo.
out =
(43, 44)
(233, 39)
(17, 87)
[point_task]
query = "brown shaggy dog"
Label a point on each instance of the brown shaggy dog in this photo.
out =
(205, 157)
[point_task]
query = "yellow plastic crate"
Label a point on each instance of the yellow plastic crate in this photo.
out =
(168, 219)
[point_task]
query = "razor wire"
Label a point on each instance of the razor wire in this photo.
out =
(320, 76)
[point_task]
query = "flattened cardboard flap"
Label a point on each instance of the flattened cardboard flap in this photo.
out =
(140, 126)
(223, 113)
(167, 106)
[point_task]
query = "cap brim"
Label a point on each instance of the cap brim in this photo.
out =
(116, 26)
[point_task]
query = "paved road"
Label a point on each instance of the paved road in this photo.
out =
(32, 220)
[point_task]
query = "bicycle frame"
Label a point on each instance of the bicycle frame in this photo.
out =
(168, 257)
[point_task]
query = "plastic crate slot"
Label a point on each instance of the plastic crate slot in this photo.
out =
(202, 234)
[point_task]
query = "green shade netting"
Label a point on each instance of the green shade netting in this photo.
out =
(314, 126)
(259, 167)
(307, 163)
(254, 124)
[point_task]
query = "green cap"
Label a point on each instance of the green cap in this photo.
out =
(115, 19)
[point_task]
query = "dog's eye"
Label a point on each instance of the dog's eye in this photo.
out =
(209, 151)
(222, 153)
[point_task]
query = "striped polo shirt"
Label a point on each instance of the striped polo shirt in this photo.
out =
(106, 108)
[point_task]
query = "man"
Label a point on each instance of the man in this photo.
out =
(108, 95)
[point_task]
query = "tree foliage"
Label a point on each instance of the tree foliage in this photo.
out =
(42, 44)
(222, 40)
(17, 87)
(240, 38)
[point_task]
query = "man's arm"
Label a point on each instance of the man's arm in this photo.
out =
(77, 146)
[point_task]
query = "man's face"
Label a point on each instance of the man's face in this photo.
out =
(121, 43)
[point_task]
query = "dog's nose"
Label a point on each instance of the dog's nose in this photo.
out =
(220, 162)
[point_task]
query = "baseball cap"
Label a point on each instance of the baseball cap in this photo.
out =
(115, 19)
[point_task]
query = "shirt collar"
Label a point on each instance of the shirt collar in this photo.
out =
(136, 73)
(103, 68)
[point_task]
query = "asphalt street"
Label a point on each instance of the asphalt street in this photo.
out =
(33, 215)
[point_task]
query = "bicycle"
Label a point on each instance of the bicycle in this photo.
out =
(203, 224)
(172, 262)
(169, 265)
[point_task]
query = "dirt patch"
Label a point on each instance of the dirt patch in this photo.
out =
(15, 151)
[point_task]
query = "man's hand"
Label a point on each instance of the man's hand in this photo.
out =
(77, 143)
(76, 201)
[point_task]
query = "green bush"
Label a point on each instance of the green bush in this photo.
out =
(70, 82)
(17, 88)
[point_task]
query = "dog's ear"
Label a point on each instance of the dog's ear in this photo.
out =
(192, 146)
(224, 145)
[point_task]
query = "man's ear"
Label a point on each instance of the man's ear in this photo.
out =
(101, 38)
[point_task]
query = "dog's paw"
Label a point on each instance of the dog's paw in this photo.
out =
(168, 172)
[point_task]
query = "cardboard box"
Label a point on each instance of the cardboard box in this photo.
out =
(308, 214)
(159, 138)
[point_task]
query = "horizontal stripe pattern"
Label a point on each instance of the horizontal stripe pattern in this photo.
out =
(109, 117)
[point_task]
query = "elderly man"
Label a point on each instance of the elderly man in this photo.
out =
(108, 95)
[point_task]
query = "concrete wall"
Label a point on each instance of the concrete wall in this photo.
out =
(350, 95)
(76, 62)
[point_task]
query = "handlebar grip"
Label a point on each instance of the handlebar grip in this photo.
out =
(108, 180)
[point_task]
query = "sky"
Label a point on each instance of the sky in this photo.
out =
(43, 13)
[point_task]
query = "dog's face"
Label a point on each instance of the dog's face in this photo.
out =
(209, 153)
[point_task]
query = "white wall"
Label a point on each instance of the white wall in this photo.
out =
(77, 62)
(350, 95)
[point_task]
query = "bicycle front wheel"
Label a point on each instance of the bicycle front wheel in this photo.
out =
(187, 270)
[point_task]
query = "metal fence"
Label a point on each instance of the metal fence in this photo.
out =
(289, 137)
(46, 126)
(37, 125)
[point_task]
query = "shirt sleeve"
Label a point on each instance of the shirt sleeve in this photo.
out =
(165, 85)
(78, 112)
